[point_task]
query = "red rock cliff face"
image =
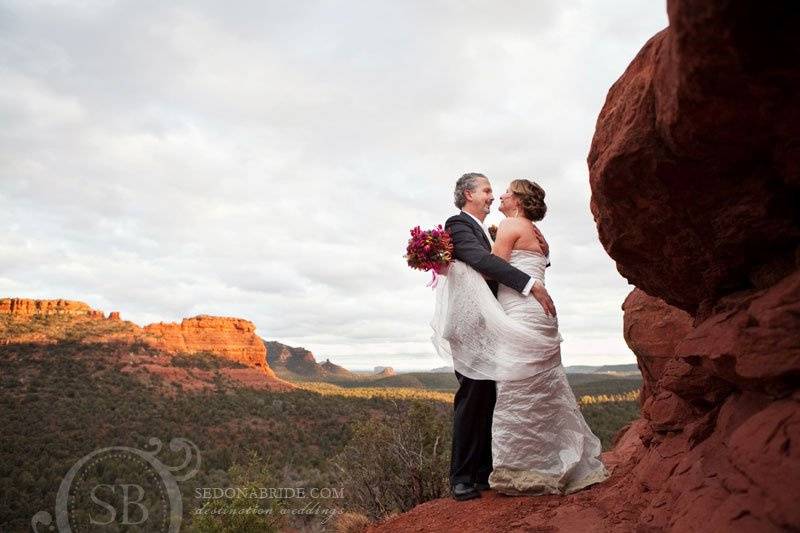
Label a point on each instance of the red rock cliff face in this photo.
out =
(695, 162)
(695, 176)
(233, 338)
(24, 307)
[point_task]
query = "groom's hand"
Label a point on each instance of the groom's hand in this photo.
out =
(542, 296)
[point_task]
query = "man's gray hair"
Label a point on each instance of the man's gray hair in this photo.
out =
(467, 182)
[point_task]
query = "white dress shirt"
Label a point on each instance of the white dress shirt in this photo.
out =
(531, 281)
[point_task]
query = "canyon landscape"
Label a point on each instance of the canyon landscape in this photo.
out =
(694, 173)
(70, 369)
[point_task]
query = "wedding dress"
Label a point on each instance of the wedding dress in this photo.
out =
(541, 443)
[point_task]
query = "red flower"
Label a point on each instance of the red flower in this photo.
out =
(429, 249)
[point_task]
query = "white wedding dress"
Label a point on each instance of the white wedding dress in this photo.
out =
(541, 443)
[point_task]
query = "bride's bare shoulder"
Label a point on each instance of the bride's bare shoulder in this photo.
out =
(511, 226)
(511, 223)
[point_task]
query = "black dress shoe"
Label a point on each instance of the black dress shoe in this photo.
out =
(465, 491)
(482, 486)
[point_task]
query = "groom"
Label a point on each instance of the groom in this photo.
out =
(473, 405)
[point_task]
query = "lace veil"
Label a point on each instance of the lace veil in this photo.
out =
(471, 330)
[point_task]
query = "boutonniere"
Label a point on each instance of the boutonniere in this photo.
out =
(493, 231)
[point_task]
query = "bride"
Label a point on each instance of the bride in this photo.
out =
(541, 443)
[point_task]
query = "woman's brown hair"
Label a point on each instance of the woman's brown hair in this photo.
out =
(531, 198)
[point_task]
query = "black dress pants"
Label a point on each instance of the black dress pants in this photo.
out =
(473, 407)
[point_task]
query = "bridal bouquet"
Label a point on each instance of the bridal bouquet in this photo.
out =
(430, 250)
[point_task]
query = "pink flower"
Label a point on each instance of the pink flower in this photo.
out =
(429, 249)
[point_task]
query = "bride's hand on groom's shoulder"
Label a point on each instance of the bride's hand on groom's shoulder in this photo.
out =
(543, 297)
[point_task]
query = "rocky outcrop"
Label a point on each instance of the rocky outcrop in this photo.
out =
(695, 176)
(296, 360)
(385, 371)
(24, 307)
(753, 338)
(718, 426)
(335, 370)
(288, 359)
(24, 320)
(695, 162)
(232, 338)
(280, 354)
(652, 330)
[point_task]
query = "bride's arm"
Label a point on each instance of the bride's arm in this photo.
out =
(469, 248)
(507, 236)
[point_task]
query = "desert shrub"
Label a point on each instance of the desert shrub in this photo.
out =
(242, 513)
(611, 385)
(607, 418)
(393, 464)
(351, 523)
(392, 393)
(204, 361)
(140, 347)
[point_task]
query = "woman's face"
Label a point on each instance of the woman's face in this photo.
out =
(508, 203)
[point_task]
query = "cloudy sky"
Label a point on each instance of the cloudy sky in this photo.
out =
(266, 159)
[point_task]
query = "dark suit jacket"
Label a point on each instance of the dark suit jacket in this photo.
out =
(471, 246)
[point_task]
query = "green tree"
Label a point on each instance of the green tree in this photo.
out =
(394, 464)
(242, 513)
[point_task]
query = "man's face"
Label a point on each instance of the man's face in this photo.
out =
(481, 197)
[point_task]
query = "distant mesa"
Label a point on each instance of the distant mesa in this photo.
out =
(385, 371)
(292, 361)
(23, 307)
(228, 337)
(334, 369)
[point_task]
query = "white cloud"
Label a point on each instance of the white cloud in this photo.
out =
(266, 159)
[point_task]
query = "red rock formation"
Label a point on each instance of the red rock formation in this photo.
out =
(233, 338)
(695, 163)
(300, 361)
(720, 428)
(753, 339)
(385, 371)
(652, 330)
(277, 353)
(334, 369)
(695, 177)
(24, 307)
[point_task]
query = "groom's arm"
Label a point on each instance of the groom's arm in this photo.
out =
(468, 249)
